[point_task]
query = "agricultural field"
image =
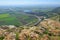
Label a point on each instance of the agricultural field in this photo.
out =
(16, 19)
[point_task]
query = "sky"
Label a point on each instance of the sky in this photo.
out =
(29, 2)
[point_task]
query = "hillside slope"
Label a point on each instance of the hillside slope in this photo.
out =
(47, 30)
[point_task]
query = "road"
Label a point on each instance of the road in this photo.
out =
(35, 24)
(39, 20)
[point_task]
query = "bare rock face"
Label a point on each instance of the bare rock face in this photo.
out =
(10, 36)
(28, 34)
(34, 36)
(50, 24)
(55, 32)
(46, 30)
(22, 36)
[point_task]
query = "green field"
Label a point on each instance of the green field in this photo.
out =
(16, 19)
(4, 15)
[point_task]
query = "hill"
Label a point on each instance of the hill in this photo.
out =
(56, 10)
(46, 30)
(54, 14)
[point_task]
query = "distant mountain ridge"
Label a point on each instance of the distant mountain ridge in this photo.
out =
(56, 10)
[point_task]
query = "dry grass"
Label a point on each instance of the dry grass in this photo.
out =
(46, 30)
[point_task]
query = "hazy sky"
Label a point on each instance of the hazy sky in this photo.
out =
(29, 2)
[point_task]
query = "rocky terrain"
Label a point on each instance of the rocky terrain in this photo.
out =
(47, 30)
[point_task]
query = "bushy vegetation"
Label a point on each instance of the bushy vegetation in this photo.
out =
(46, 30)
